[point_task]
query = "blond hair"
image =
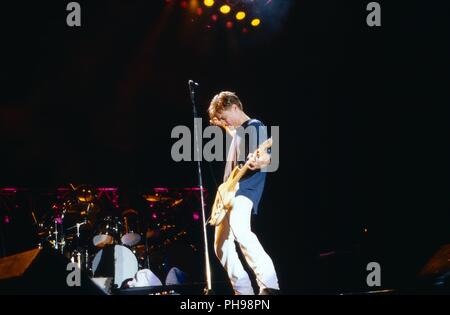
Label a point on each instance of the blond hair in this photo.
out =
(223, 101)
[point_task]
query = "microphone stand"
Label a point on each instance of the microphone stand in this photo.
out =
(197, 134)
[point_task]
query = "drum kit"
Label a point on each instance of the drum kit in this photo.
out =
(83, 231)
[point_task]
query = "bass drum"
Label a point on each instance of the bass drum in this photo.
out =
(115, 261)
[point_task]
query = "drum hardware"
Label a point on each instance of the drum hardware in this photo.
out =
(81, 257)
(107, 232)
(55, 235)
(67, 227)
(78, 224)
(131, 228)
(85, 194)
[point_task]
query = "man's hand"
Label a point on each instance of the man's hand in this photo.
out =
(258, 160)
(221, 123)
(217, 122)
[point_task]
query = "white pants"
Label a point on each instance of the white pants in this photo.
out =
(236, 226)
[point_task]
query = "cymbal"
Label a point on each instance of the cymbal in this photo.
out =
(157, 198)
(168, 201)
(129, 211)
(159, 231)
(176, 202)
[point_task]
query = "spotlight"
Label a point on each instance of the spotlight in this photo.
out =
(208, 3)
(256, 22)
(225, 9)
(240, 15)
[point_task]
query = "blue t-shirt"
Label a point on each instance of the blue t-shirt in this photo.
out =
(252, 183)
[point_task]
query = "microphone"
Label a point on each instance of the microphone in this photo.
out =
(192, 86)
(192, 83)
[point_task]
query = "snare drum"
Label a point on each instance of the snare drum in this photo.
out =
(107, 232)
(131, 230)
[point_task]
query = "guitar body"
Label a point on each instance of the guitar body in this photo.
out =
(224, 199)
(227, 190)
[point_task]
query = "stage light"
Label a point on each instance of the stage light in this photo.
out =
(229, 24)
(196, 216)
(214, 17)
(225, 9)
(184, 4)
(208, 3)
(240, 15)
(256, 22)
(193, 5)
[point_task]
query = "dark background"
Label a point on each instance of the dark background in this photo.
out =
(362, 113)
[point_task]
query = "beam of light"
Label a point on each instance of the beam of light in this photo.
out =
(240, 15)
(225, 9)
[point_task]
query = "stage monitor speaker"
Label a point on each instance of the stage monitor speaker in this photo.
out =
(437, 269)
(41, 271)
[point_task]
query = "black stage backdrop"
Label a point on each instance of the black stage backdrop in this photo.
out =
(362, 113)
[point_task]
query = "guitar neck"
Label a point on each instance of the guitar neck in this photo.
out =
(267, 144)
(239, 175)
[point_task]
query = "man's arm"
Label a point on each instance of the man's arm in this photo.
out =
(260, 158)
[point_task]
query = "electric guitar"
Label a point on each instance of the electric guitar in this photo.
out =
(227, 190)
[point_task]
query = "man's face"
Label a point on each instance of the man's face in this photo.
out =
(230, 116)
